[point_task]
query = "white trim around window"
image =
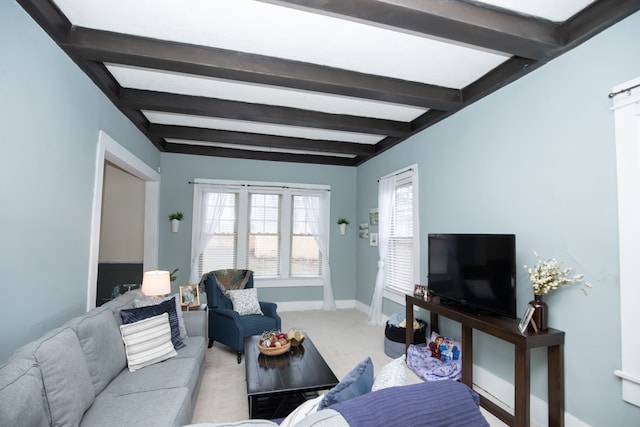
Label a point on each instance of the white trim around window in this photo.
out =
(407, 176)
(243, 190)
(626, 106)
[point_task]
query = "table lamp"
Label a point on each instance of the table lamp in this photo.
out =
(156, 283)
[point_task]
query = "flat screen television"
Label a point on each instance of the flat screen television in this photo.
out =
(477, 271)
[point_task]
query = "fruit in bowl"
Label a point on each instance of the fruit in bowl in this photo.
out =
(295, 336)
(273, 343)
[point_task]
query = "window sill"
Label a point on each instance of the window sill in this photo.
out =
(395, 296)
(287, 283)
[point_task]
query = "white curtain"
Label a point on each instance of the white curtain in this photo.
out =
(317, 210)
(208, 223)
(386, 192)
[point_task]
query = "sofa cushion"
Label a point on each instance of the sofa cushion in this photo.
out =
(245, 301)
(147, 301)
(68, 387)
(172, 373)
(354, 384)
(102, 345)
(21, 394)
(392, 374)
(302, 411)
(147, 341)
(330, 418)
(132, 315)
(162, 407)
(122, 302)
(195, 347)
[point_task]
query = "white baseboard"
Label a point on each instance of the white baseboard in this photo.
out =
(501, 392)
(312, 305)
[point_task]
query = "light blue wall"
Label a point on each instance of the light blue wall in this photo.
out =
(176, 194)
(536, 159)
(51, 115)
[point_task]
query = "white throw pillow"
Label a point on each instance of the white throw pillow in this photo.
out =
(298, 414)
(245, 301)
(392, 374)
(146, 302)
(147, 342)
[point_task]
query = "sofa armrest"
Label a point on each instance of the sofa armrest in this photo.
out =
(195, 322)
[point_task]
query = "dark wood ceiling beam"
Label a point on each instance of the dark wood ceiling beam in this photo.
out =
(429, 118)
(260, 140)
(201, 150)
(125, 49)
(595, 18)
(455, 20)
(49, 17)
(210, 107)
(502, 75)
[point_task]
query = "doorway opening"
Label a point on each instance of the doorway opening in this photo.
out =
(109, 151)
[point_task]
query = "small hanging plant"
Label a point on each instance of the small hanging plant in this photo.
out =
(176, 215)
(343, 221)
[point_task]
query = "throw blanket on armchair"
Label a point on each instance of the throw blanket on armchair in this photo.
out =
(229, 279)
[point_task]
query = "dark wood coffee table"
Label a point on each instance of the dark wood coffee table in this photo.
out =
(276, 385)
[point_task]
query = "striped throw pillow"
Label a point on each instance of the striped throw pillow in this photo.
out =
(148, 341)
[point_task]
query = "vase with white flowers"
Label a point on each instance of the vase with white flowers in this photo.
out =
(546, 276)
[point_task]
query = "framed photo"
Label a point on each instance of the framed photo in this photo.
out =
(363, 230)
(373, 216)
(526, 318)
(419, 290)
(189, 296)
(373, 239)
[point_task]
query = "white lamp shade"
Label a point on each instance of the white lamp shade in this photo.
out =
(156, 282)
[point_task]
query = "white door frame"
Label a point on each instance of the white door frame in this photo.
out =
(109, 149)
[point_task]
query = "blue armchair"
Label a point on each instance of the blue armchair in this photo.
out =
(229, 328)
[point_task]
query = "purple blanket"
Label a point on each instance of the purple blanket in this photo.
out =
(442, 403)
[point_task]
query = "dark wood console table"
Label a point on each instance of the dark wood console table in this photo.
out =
(507, 330)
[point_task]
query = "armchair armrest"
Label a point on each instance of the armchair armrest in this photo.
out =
(225, 312)
(269, 308)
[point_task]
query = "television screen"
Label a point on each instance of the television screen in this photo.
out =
(475, 270)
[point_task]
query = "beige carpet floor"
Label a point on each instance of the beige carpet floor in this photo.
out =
(343, 338)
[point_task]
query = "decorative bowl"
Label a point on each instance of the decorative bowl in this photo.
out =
(274, 351)
(277, 343)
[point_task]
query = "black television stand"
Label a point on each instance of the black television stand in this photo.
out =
(507, 330)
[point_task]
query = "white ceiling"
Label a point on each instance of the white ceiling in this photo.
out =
(352, 36)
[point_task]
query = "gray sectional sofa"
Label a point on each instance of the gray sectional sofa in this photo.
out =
(77, 375)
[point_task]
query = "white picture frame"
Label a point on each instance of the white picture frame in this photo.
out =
(526, 318)
(363, 230)
(373, 239)
(373, 216)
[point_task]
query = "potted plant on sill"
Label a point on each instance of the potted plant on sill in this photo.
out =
(342, 223)
(175, 219)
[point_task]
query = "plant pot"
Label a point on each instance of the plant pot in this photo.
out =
(343, 229)
(175, 224)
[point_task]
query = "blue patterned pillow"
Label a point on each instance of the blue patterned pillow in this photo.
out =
(356, 383)
(133, 315)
